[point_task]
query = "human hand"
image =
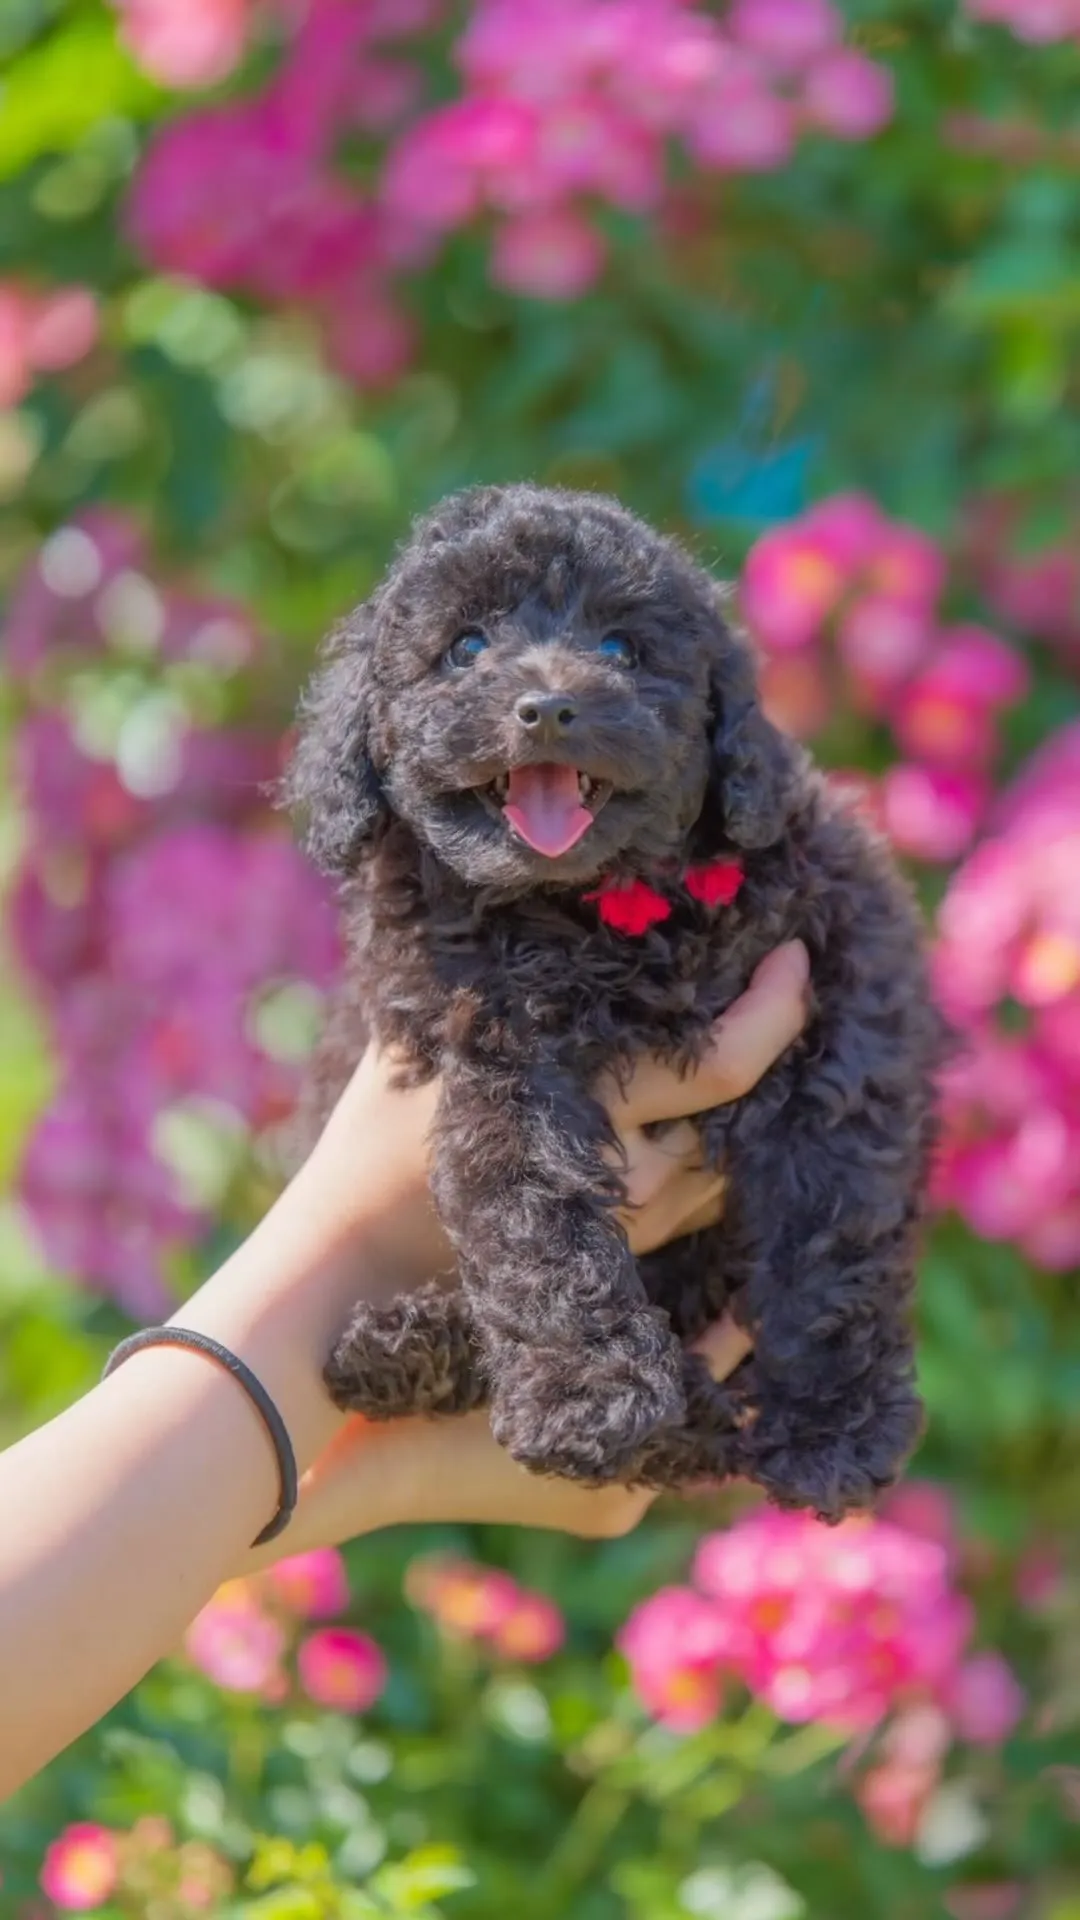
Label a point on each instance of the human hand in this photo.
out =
(373, 1153)
(425, 1470)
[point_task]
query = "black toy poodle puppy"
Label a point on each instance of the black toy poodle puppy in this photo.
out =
(567, 834)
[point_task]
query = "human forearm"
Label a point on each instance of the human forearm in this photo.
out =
(122, 1516)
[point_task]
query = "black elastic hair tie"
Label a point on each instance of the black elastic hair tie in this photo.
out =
(256, 1392)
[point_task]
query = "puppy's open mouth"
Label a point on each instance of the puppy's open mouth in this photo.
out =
(550, 807)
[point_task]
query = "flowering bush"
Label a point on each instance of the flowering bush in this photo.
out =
(797, 279)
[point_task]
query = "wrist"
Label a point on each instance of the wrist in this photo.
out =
(279, 1304)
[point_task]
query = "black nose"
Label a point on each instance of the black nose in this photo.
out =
(546, 715)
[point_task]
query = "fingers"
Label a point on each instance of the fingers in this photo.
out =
(651, 1163)
(723, 1347)
(687, 1202)
(754, 1032)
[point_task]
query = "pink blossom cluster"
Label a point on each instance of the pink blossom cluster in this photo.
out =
(844, 602)
(469, 1601)
(1009, 933)
(88, 596)
(243, 1636)
(147, 1868)
(982, 1706)
(847, 1626)
(155, 905)
(1037, 593)
(1040, 22)
(42, 333)
(246, 195)
(569, 103)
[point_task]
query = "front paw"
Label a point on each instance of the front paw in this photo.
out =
(823, 1466)
(416, 1354)
(585, 1415)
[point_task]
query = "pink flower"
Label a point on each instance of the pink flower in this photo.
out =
(42, 333)
(234, 197)
(664, 73)
(554, 255)
(940, 721)
(465, 1599)
(1037, 592)
(1004, 1184)
(441, 171)
(835, 1624)
(985, 1900)
(1040, 22)
(81, 1867)
(1039, 1576)
(234, 1642)
(15, 372)
(926, 1509)
(185, 43)
(917, 1736)
(893, 1798)
(787, 33)
(906, 567)
(55, 607)
(985, 1700)
(233, 911)
(314, 1585)
(851, 529)
(847, 95)
(472, 1602)
(743, 127)
(532, 1630)
(676, 1644)
(341, 1668)
(932, 814)
(980, 666)
(73, 802)
(790, 586)
(882, 642)
(103, 1207)
(795, 694)
(63, 326)
(369, 338)
(1052, 1239)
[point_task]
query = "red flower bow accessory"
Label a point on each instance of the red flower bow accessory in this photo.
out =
(631, 906)
(717, 884)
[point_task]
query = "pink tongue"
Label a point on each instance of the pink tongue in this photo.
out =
(544, 807)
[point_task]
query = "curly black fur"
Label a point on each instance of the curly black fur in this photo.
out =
(487, 964)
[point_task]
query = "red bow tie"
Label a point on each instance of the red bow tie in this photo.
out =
(632, 906)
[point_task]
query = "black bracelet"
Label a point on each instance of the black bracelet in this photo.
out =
(256, 1392)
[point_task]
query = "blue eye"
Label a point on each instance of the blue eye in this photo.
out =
(466, 648)
(618, 649)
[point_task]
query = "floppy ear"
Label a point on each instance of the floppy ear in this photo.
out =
(755, 769)
(331, 780)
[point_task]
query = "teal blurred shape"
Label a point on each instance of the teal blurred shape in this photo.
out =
(735, 481)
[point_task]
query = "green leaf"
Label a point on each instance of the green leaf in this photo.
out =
(1030, 279)
(424, 1876)
(56, 92)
